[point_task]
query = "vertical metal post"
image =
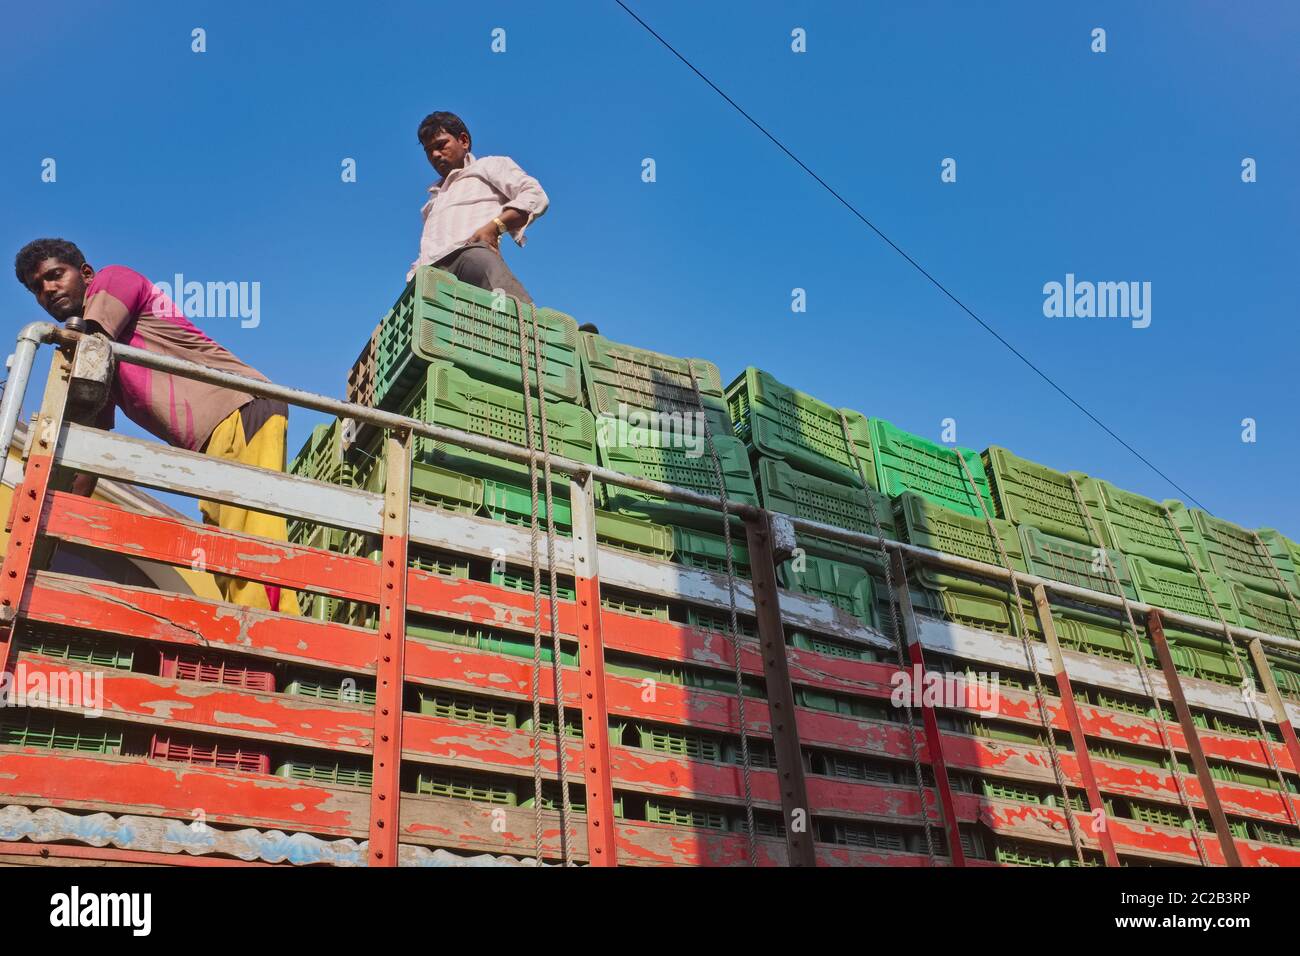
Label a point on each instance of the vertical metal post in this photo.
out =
(1281, 716)
(780, 695)
(933, 738)
(1155, 627)
(1066, 692)
(385, 792)
(602, 849)
(26, 551)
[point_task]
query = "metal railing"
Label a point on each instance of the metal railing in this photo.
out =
(38, 332)
(395, 523)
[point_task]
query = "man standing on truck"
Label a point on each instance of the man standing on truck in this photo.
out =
(475, 202)
(198, 416)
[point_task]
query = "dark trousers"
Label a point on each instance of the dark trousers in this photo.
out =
(481, 265)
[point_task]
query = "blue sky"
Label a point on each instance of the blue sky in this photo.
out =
(1118, 166)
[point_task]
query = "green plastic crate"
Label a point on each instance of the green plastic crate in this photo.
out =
(430, 561)
(1284, 552)
(867, 835)
(483, 639)
(621, 378)
(326, 772)
(681, 743)
(1275, 835)
(625, 602)
(440, 319)
(977, 606)
(1021, 855)
(1027, 493)
(781, 422)
(855, 768)
(699, 678)
(321, 457)
(318, 536)
(451, 397)
(1286, 672)
(513, 504)
(430, 485)
(1178, 590)
(938, 528)
(331, 687)
(572, 724)
(1208, 658)
(1266, 612)
(20, 727)
(551, 798)
(1161, 816)
(1140, 527)
(1234, 553)
(445, 489)
(832, 648)
(464, 785)
(703, 549)
(844, 704)
(685, 815)
(1002, 790)
(681, 466)
(521, 579)
(788, 491)
(761, 753)
(719, 622)
(907, 462)
(1102, 699)
(97, 651)
(848, 587)
(1097, 635)
(1060, 559)
(452, 705)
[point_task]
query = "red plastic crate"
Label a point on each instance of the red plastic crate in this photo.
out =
(209, 755)
(221, 672)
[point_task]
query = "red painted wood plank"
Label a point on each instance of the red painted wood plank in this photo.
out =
(213, 708)
(99, 524)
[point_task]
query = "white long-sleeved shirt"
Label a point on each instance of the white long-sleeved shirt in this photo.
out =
(469, 198)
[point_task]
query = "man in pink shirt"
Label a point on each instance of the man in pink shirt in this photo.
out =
(185, 413)
(472, 206)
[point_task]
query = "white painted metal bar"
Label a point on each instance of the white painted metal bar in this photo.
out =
(203, 476)
(567, 466)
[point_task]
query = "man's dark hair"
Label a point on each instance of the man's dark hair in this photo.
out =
(449, 123)
(38, 250)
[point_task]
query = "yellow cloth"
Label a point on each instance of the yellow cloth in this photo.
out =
(266, 450)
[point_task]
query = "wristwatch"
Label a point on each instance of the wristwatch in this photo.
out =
(501, 226)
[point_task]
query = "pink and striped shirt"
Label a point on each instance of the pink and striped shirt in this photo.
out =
(471, 197)
(180, 411)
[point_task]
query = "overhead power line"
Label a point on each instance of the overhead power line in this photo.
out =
(915, 265)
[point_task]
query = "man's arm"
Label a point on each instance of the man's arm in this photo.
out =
(525, 199)
(116, 296)
(514, 220)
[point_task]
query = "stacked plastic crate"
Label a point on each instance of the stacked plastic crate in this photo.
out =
(656, 417)
(1155, 550)
(816, 462)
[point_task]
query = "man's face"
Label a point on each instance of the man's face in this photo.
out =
(60, 288)
(445, 152)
